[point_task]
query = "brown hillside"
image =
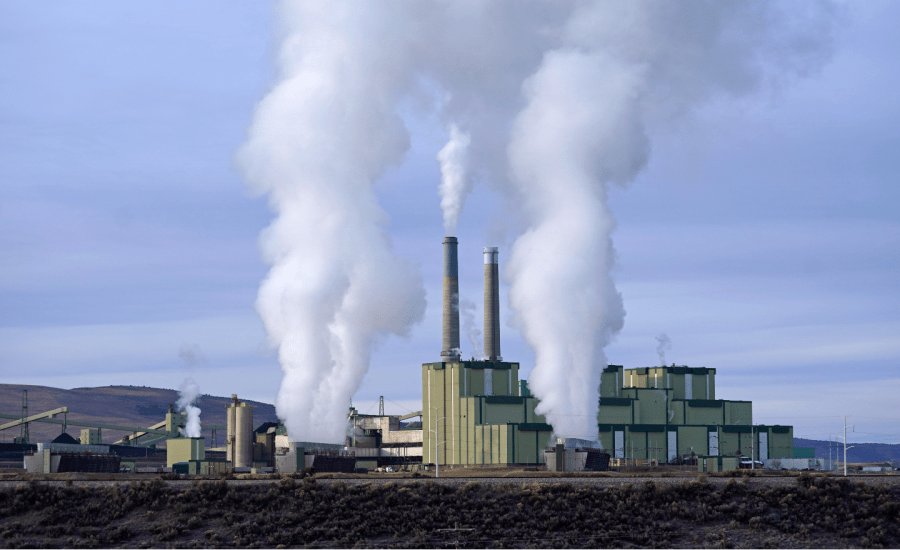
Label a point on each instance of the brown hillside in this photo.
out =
(120, 405)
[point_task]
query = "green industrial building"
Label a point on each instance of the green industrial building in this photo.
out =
(479, 412)
(670, 413)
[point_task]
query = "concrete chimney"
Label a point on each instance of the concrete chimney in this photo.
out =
(451, 301)
(491, 304)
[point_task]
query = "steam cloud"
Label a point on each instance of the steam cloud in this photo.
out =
(455, 180)
(188, 392)
(470, 327)
(663, 343)
(322, 136)
(559, 101)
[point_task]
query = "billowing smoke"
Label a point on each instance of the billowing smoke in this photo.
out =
(663, 343)
(319, 140)
(188, 392)
(559, 102)
(622, 69)
(455, 180)
(470, 328)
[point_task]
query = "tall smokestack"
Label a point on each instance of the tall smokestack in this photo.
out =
(492, 304)
(451, 301)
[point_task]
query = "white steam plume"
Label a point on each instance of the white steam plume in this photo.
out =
(318, 141)
(663, 343)
(455, 180)
(188, 392)
(558, 100)
(623, 67)
(467, 310)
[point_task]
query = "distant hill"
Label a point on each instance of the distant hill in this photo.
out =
(860, 452)
(120, 405)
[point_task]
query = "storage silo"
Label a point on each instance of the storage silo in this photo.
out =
(239, 445)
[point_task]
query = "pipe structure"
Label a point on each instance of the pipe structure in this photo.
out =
(492, 304)
(450, 350)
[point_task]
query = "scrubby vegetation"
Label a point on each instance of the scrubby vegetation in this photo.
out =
(817, 512)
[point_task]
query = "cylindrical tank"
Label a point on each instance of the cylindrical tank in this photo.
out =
(239, 443)
(492, 304)
(450, 350)
(243, 435)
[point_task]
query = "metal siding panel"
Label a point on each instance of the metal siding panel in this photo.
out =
(763, 446)
(729, 443)
(688, 386)
(614, 415)
(495, 444)
(693, 438)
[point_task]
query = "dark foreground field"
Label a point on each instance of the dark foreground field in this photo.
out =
(815, 512)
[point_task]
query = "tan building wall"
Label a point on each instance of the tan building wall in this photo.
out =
(91, 436)
(184, 450)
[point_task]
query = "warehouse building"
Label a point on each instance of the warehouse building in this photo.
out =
(671, 414)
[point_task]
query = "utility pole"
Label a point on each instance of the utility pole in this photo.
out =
(752, 442)
(845, 446)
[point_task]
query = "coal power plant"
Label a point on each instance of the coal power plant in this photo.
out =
(474, 413)
(481, 413)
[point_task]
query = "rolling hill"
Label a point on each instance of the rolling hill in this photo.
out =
(858, 453)
(137, 406)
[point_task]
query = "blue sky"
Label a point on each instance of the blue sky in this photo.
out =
(762, 238)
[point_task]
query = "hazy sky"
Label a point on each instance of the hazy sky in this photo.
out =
(762, 238)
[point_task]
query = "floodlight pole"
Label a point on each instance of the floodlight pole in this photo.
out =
(845, 445)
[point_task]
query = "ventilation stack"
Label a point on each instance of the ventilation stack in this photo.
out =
(491, 304)
(450, 350)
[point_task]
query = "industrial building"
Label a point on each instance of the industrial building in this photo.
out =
(379, 441)
(671, 414)
(474, 413)
(477, 412)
